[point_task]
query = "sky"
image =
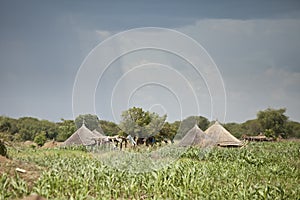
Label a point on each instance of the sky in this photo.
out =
(252, 48)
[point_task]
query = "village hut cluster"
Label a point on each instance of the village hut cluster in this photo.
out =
(215, 135)
(258, 138)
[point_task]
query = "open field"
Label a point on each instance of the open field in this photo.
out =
(258, 171)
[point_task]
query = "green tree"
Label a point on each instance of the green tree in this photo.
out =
(235, 129)
(50, 128)
(203, 122)
(139, 123)
(5, 125)
(8, 128)
(91, 121)
(189, 122)
(167, 131)
(29, 127)
(294, 129)
(270, 133)
(275, 120)
(109, 128)
(40, 138)
(65, 129)
(134, 120)
(156, 123)
(252, 127)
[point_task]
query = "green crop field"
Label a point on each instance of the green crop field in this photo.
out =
(257, 171)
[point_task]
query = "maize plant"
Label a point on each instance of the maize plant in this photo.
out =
(258, 171)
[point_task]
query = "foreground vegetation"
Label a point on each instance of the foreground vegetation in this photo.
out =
(258, 171)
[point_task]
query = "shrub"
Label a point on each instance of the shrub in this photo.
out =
(40, 138)
(3, 150)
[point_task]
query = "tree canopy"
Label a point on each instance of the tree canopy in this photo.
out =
(109, 128)
(91, 121)
(273, 120)
(189, 122)
(139, 123)
(65, 129)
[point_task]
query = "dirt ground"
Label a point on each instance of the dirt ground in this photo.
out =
(9, 166)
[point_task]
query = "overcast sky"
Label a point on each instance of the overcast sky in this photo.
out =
(254, 44)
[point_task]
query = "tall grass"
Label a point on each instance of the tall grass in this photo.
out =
(259, 171)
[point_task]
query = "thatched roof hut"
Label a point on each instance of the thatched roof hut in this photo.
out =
(195, 137)
(83, 136)
(99, 134)
(258, 138)
(221, 136)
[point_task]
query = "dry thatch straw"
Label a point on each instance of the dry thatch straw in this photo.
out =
(83, 136)
(98, 133)
(221, 136)
(196, 137)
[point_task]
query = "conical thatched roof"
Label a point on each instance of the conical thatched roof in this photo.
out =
(100, 130)
(83, 136)
(98, 133)
(221, 136)
(195, 137)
